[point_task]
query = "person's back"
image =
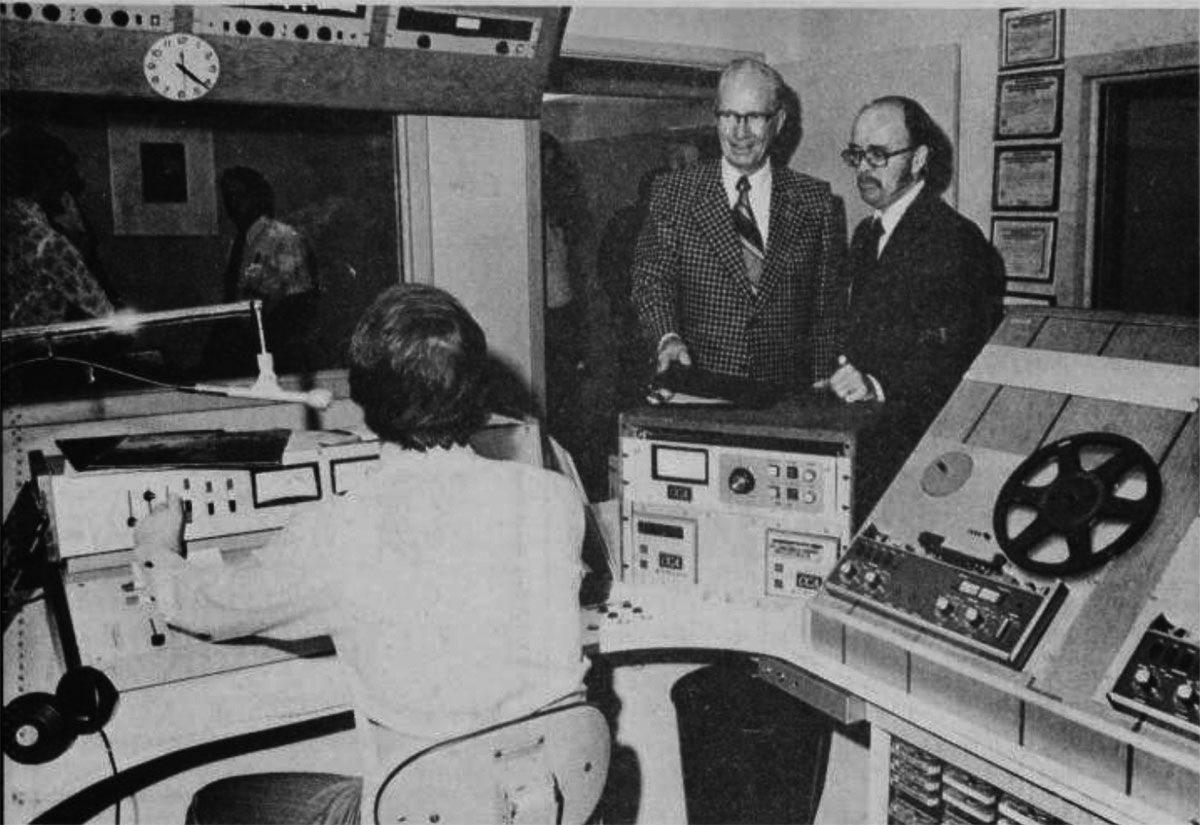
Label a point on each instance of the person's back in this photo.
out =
(458, 580)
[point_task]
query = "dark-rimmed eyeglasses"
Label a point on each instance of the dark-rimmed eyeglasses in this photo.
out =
(755, 120)
(877, 157)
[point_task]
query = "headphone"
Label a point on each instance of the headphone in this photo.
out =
(39, 727)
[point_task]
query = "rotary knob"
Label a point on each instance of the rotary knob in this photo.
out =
(973, 616)
(741, 481)
(944, 607)
(873, 579)
(1143, 678)
(1185, 694)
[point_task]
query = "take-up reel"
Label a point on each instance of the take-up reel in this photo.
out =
(1072, 506)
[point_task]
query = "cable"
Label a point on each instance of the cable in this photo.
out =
(112, 761)
(93, 365)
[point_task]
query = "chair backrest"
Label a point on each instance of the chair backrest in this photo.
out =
(546, 768)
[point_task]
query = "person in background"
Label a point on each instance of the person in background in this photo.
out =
(572, 318)
(926, 284)
(738, 268)
(436, 652)
(44, 275)
(270, 261)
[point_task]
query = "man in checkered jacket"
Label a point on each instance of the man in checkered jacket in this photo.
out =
(738, 269)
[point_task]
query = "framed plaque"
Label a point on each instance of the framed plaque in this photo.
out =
(1027, 247)
(1030, 37)
(1029, 105)
(163, 180)
(1026, 178)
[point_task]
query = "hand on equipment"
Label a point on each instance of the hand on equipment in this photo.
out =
(672, 350)
(847, 383)
(160, 532)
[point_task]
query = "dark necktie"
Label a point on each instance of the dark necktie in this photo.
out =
(747, 231)
(874, 233)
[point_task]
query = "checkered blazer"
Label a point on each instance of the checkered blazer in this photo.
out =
(689, 277)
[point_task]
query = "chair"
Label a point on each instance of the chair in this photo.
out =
(546, 768)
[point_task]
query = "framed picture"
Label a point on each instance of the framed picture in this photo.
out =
(1030, 37)
(1026, 178)
(1029, 105)
(163, 180)
(1027, 247)
(1029, 299)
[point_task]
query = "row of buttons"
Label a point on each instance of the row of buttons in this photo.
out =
(792, 472)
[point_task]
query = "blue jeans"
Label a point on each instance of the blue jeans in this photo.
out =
(280, 798)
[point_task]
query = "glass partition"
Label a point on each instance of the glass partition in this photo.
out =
(150, 221)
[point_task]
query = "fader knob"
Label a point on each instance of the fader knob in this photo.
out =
(741, 481)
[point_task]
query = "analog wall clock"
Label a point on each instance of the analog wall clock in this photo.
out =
(181, 67)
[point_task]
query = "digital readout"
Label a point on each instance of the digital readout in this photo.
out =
(670, 561)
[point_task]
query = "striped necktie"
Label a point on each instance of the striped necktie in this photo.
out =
(747, 231)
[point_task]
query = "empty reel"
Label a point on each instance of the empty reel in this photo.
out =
(1075, 502)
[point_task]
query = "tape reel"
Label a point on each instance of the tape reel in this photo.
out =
(1073, 504)
(40, 727)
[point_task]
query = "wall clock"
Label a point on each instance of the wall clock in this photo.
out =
(181, 67)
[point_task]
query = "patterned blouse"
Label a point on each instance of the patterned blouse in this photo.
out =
(45, 279)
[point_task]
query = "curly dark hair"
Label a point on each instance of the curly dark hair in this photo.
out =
(419, 367)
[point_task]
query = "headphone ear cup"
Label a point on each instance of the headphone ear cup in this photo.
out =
(86, 698)
(35, 730)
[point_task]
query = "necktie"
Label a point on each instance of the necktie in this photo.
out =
(747, 231)
(874, 233)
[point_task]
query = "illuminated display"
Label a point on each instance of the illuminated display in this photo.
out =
(670, 561)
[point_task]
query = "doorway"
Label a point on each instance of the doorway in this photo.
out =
(1146, 249)
(606, 132)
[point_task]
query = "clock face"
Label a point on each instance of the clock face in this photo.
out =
(181, 67)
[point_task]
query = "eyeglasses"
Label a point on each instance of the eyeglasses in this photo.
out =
(755, 120)
(877, 157)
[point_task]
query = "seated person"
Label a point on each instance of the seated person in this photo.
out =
(449, 583)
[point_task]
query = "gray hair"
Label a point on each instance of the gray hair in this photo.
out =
(750, 64)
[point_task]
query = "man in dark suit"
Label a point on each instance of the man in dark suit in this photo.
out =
(925, 284)
(739, 263)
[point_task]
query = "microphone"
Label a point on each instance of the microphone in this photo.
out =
(267, 388)
(318, 399)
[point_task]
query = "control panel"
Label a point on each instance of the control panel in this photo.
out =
(756, 513)
(948, 595)
(924, 790)
(96, 511)
(157, 18)
(467, 30)
(1161, 679)
(335, 25)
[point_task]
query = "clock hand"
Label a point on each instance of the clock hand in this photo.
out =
(183, 68)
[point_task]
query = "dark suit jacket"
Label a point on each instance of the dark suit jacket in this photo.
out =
(689, 277)
(918, 317)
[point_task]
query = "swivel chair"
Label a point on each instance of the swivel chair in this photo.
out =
(546, 768)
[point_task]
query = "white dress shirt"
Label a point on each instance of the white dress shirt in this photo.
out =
(448, 582)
